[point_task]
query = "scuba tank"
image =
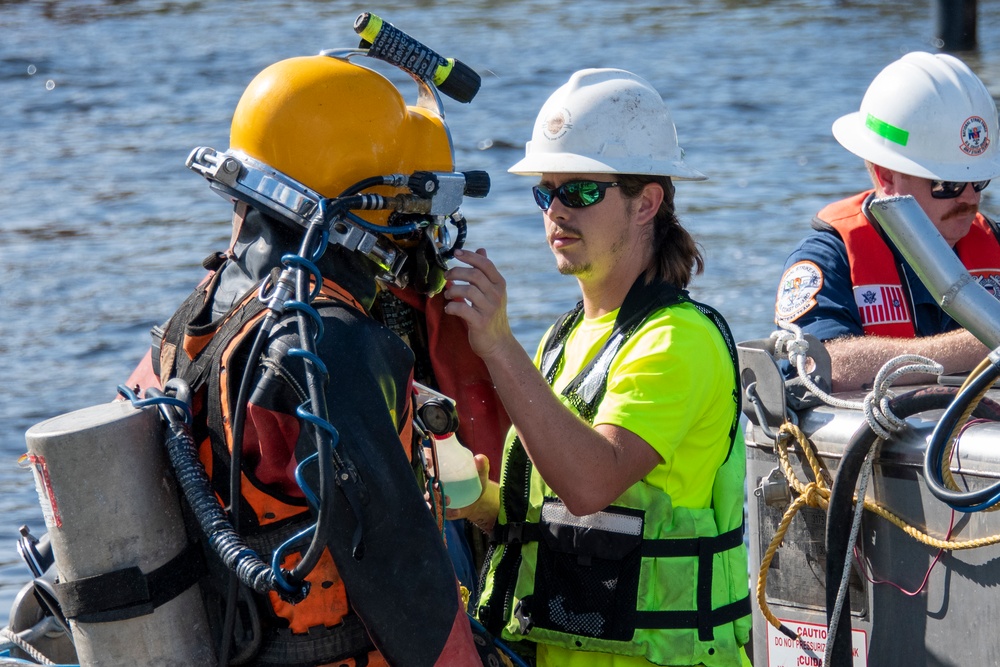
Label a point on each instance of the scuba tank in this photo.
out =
(125, 573)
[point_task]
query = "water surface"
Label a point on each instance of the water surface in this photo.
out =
(103, 228)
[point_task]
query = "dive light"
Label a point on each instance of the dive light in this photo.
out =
(387, 42)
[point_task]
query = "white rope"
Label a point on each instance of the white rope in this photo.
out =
(876, 404)
(14, 639)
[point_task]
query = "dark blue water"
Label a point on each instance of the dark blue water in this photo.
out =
(102, 228)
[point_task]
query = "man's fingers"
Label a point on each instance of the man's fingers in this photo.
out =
(480, 261)
(467, 291)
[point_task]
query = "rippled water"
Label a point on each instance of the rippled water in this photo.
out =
(103, 229)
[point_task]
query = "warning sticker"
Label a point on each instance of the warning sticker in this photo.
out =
(43, 485)
(808, 650)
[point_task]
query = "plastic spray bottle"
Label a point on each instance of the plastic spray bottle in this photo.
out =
(457, 471)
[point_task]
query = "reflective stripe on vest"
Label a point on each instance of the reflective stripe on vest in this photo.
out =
(874, 268)
(704, 549)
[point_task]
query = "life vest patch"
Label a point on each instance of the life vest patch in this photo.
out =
(797, 291)
(881, 304)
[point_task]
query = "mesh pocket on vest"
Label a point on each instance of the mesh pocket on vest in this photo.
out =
(587, 575)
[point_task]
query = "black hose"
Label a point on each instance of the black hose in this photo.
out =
(197, 489)
(235, 483)
(461, 224)
(841, 511)
(961, 500)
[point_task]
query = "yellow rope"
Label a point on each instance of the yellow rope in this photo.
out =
(813, 494)
(817, 494)
(765, 565)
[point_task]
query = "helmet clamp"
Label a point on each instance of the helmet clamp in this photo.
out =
(436, 197)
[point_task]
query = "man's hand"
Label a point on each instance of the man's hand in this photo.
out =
(477, 293)
(483, 513)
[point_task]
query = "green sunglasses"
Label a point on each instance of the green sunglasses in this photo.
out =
(574, 194)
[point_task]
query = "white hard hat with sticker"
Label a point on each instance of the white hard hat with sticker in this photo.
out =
(926, 115)
(605, 121)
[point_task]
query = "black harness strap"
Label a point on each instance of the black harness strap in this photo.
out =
(587, 389)
(198, 372)
(517, 532)
(689, 620)
(128, 593)
(693, 546)
(349, 639)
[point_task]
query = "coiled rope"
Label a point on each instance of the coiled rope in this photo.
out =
(875, 405)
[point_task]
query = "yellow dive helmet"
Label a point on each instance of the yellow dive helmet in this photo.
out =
(315, 129)
(329, 123)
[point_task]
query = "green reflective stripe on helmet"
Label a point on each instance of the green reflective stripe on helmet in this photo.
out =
(894, 134)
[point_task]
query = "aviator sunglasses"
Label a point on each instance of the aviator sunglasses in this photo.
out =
(574, 194)
(952, 189)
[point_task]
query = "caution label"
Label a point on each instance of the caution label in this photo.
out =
(808, 650)
(43, 486)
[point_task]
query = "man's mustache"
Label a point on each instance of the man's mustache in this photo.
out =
(962, 210)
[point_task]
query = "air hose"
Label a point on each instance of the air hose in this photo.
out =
(292, 292)
(969, 401)
(197, 488)
(841, 507)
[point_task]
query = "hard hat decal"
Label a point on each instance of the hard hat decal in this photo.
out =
(975, 138)
(557, 124)
(883, 129)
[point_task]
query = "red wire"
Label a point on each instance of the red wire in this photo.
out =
(861, 566)
(937, 557)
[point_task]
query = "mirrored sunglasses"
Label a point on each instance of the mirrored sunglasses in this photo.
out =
(952, 189)
(574, 194)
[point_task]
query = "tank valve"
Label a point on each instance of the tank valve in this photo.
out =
(774, 489)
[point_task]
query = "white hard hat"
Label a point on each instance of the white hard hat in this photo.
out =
(605, 121)
(926, 115)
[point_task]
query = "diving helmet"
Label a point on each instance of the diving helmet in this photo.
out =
(317, 129)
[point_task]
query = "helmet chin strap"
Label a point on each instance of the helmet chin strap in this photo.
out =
(239, 215)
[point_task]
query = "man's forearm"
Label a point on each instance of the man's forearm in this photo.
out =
(587, 467)
(857, 360)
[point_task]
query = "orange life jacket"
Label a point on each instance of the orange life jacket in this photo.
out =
(884, 303)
